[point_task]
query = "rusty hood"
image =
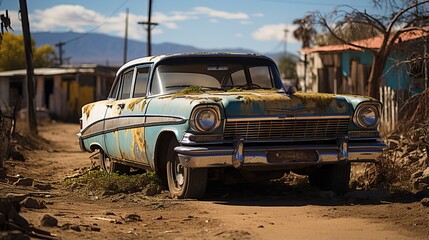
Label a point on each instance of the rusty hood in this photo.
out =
(273, 103)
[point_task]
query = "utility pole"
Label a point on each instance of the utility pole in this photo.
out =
(285, 46)
(126, 37)
(60, 51)
(31, 115)
(149, 25)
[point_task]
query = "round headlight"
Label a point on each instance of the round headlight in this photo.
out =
(206, 119)
(367, 116)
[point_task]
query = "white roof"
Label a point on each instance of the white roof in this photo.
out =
(154, 59)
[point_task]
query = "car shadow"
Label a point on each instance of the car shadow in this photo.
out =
(281, 194)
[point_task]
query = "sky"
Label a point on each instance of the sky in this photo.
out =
(258, 25)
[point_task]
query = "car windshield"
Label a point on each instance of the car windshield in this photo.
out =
(221, 74)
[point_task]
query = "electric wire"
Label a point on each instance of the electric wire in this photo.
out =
(97, 27)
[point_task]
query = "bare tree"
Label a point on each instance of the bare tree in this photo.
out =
(396, 18)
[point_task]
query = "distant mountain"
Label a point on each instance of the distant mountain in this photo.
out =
(104, 49)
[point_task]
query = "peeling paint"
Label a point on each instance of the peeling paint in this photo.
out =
(143, 104)
(322, 100)
(133, 102)
(87, 109)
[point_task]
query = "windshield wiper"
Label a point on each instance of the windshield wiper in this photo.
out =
(202, 87)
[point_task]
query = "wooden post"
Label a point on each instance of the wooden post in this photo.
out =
(31, 115)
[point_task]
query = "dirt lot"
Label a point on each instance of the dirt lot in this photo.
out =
(278, 211)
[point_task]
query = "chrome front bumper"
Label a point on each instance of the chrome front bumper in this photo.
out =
(240, 155)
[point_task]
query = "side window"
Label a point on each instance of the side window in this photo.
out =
(115, 89)
(141, 82)
(238, 78)
(127, 78)
(261, 76)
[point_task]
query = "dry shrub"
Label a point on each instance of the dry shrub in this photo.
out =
(408, 145)
(99, 180)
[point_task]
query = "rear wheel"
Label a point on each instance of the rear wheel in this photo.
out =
(110, 166)
(184, 182)
(333, 177)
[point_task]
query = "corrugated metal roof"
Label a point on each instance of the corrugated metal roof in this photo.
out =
(371, 43)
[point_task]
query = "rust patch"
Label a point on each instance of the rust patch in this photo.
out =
(142, 105)
(133, 103)
(322, 100)
(138, 139)
(87, 109)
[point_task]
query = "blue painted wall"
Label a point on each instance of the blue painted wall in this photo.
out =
(395, 77)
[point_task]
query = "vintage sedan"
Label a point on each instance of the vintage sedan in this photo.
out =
(194, 117)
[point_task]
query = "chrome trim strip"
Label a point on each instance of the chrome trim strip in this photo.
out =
(116, 123)
(223, 156)
(243, 119)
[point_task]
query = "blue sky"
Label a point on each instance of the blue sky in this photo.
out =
(253, 24)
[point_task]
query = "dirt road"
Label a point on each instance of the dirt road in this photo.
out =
(228, 212)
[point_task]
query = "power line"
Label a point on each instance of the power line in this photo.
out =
(97, 27)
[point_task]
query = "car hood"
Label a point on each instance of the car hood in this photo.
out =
(255, 103)
(273, 103)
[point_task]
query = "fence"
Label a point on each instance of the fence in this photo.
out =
(390, 109)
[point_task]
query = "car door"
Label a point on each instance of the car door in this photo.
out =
(112, 124)
(132, 119)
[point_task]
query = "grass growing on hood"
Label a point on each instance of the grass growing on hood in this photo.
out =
(99, 180)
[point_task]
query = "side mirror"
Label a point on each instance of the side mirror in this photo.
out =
(290, 90)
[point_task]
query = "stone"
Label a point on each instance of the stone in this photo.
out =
(42, 186)
(68, 226)
(49, 221)
(16, 197)
(30, 202)
(151, 190)
(94, 229)
(425, 202)
(24, 182)
(75, 227)
(132, 217)
(109, 213)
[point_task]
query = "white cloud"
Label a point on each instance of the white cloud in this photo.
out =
(274, 32)
(220, 14)
(65, 17)
(77, 18)
(239, 35)
(80, 19)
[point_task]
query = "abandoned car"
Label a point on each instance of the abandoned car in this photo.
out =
(194, 117)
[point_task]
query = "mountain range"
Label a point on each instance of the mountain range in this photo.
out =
(96, 48)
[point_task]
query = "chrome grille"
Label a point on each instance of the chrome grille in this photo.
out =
(288, 129)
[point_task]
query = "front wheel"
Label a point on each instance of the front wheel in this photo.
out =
(184, 182)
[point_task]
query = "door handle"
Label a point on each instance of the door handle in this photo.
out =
(121, 105)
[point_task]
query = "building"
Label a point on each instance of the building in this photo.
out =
(346, 69)
(60, 91)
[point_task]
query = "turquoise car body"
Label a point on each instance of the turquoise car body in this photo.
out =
(253, 124)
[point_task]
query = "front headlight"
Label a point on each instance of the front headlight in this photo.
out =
(367, 115)
(205, 118)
